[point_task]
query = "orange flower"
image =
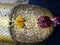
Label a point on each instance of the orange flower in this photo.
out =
(20, 22)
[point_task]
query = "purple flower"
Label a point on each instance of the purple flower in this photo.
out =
(44, 21)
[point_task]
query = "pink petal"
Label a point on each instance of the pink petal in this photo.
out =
(55, 20)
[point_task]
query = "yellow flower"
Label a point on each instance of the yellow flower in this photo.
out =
(20, 22)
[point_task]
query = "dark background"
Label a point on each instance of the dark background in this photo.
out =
(54, 7)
